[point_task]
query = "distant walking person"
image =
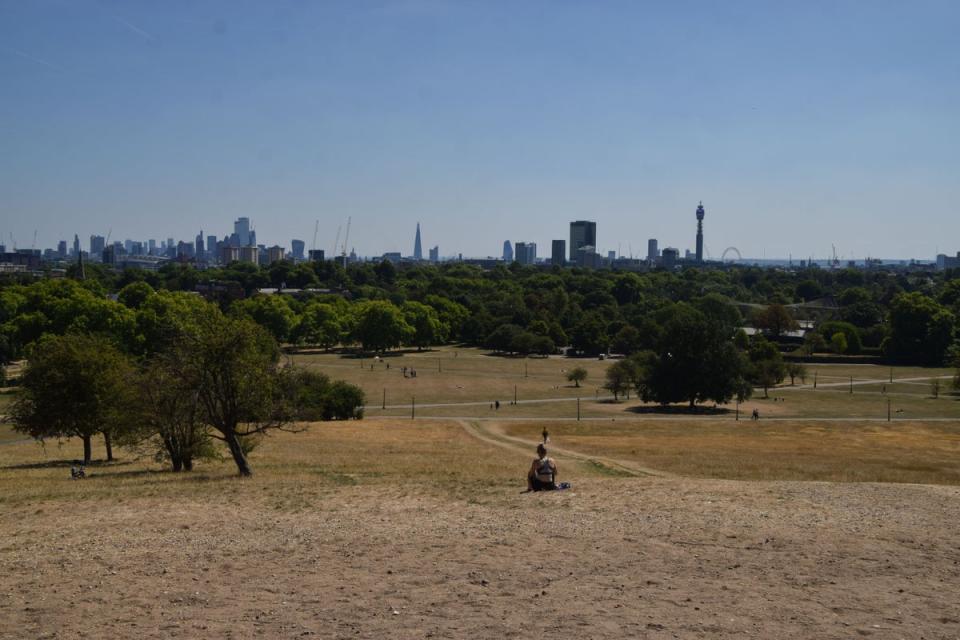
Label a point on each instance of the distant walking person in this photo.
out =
(546, 435)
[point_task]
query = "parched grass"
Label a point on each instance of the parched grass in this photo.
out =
(291, 470)
(912, 452)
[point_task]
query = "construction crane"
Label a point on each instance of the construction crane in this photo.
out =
(316, 228)
(34, 245)
(336, 243)
(106, 242)
(13, 241)
(346, 239)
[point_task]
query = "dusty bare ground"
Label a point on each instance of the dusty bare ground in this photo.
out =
(615, 558)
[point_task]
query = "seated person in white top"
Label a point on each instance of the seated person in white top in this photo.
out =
(543, 472)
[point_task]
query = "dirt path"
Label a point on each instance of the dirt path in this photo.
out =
(492, 433)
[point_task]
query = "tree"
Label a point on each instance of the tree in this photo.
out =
(809, 290)
(838, 343)
(577, 375)
(620, 376)
(627, 341)
(427, 326)
(320, 324)
(695, 360)
(169, 421)
(921, 330)
(851, 335)
(272, 312)
(813, 342)
(74, 386)
(312, 396)
(379, 325)
(796, 370)
(135, 294)
(231, 362)
(775, 320)
(590, 334)
(766, 364)
(501, 339)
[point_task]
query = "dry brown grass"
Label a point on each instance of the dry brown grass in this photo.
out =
(844, 452)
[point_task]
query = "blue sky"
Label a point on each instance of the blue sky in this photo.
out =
(799, 124)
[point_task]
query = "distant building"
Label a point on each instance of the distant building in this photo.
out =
(525, 252)
(417, 249)
(670, 257)
(611, 255)
(587, 256)
(558, 252)
(242, 229)
(583, 233)
(96, 245)
(212, 249)
(76, 245)
(435, 254)
(229, 254)
(249, 254)
(296, 249)
(198, 245)
(700, 213)
(62, 249)
(948, 262)
(507, 251)
(393, 256)
(652, 252)
(275, 254)
(317, 255)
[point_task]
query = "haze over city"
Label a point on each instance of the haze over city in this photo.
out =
(799, 126)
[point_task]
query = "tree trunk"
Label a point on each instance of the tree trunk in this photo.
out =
(237, 452)
(188, 464)
(177, 463)
(693, 402)
(109, 445)
(87, 450)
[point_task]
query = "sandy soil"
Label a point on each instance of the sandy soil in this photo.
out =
(615, 558)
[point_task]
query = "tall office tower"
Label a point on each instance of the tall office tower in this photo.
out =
(242, 228)
(611, 255)
(296, 249)
(417, 249)
(253, 238)
(652, 251)
(526, 252)
(62, 249)
(558, 252)
(171, 244)
(507, 251)
(435, 254)
(152, 247)
(198, 244)
(96, 245)
(76, 245)
(700, 214)
(583, 233)
(212, 247)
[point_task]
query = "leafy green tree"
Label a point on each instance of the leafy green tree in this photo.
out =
(313, 396)
(766, 364)
(501, 339)
(135, 294)
(577, 375)
(169, 421)
(721, 309)
(522, 343)
(695, 361)
(627, 341)
(921, 331)
(589, 336)
(321, 324)
(231, 363)
(543, 345)
(620, 377)
(272, 312)
(838, 343)
(451, 314)
(775, 320)
(796, 370)
(813, 342)
(809, 290)
(379, 325)
(74, 386)
(851, 335)
(163, 316)
(428, 329)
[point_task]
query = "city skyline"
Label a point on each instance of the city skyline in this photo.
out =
(802, 126)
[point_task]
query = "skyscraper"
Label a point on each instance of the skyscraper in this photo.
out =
(583, 233)
(96, 246)
(62, 249)
(242, 228)
(417, 249)
(700, 214)
(296, 249)
(76, 245)
(507, 251)
(435, 254)
(198, 245)
(558, 252)
(652, 251)
(526, 252)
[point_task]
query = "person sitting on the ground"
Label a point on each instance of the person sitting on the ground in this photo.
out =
(77, 472)
(543, 472)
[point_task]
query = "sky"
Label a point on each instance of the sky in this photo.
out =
(800, 125)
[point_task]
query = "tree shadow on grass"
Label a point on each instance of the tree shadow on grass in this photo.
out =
(64, 464)
(679, 410)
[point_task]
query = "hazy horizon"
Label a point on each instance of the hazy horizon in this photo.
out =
(799, 126)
